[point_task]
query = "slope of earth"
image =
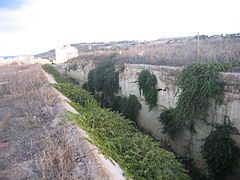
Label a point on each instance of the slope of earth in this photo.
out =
(34, 141)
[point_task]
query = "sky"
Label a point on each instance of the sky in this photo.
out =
(34, 26)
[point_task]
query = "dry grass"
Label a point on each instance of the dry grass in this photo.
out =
(36, 148)
(173, 54)
(57, 161)
(18, 80)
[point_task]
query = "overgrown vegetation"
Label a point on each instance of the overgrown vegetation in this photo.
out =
(139, 155)
(167, 117)
(74, 93)
(104, 79)
(220, 152)
(129, 107)
(175, 52)
(57, 76)
(199, 83)
(147, 86)
(103, 82)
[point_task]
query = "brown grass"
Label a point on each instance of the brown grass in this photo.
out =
(172, 54)
(57, 161)
(31, 108)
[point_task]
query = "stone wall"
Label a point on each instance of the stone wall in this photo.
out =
(80, 74)
(185, 143)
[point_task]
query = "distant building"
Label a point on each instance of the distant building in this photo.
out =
(65, 53)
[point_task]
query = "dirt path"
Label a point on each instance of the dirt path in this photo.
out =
(34, 142)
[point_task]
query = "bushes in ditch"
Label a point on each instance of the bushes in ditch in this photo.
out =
(129, 107)
(57, 76)
(103, 82)
(104, 79)
(74, 93)
(220, 152)
(139, 155)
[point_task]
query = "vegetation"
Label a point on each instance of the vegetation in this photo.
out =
(139, 155)
(103, 82)
(220, 152)
(167, 117)
(104, 79)
(27, 109)
(129, 107)
(57, 76)
(147, 86)
(175, 52)
(74, 93)
(198, 84)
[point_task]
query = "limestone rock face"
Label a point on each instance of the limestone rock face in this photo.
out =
(184, 144)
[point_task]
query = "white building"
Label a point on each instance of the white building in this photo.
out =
(65, 53)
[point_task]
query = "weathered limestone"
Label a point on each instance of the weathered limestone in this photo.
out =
(185, 143)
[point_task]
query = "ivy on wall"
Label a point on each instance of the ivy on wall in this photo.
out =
(103, 83)
(198, 84)
(147, 86)
(220, 152)
(140, 156)
(167, 117)
(104, 78)
(129, 107)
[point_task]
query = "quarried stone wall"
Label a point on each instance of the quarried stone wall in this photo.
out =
(185, 143)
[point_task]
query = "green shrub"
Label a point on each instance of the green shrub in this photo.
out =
(139, 155)
(198, 83)
(130, 107)
(171, 125)
(104, 82)
(104, 78)
(220, 152)
(57, 76)
(74, 93)
(90, 82)
(147, 86)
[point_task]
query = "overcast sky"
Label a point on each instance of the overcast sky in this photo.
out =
(34, 26)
